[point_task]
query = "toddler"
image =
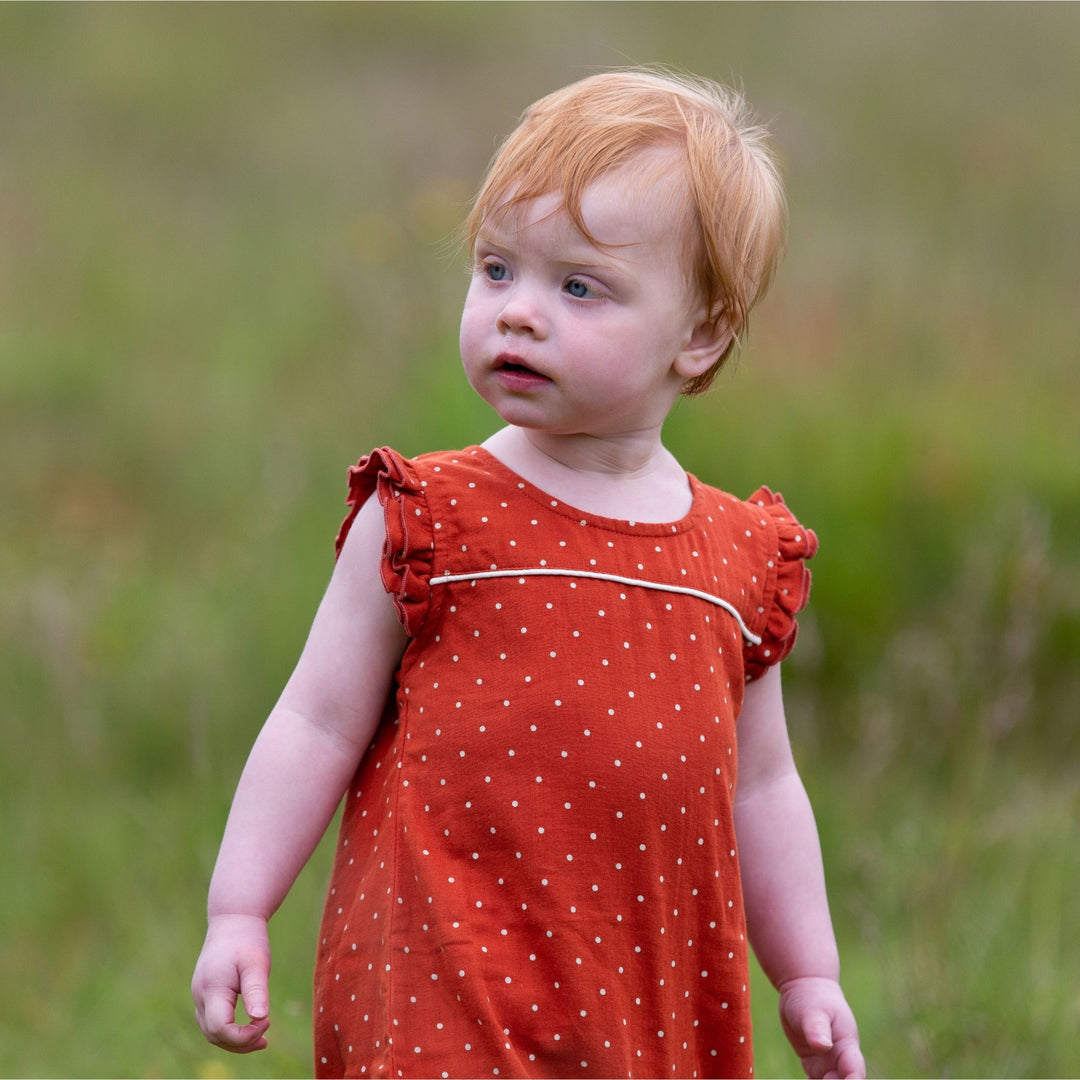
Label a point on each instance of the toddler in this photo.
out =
(545, 675)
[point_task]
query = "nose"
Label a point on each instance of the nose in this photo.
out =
(521, 314)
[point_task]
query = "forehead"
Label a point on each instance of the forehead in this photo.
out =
(640, 204)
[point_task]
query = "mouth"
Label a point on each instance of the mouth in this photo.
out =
(516, 372)
(514, 363)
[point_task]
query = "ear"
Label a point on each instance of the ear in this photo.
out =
(708, 341)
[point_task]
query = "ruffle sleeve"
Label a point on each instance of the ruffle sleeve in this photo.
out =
(408, 547)
(787, 588)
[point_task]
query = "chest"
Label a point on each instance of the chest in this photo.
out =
(554, 689)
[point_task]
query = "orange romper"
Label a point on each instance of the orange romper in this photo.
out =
(537, 871)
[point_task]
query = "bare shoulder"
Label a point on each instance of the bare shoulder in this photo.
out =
(764, 746)
(356, 640)
(356, 599)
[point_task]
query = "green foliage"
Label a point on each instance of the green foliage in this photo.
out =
(226, 270)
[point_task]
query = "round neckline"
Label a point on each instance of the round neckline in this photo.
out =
(564, 509)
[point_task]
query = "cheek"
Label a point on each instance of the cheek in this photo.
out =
(473, 340)
(469, 330)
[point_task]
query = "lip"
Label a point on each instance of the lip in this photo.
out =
(516, 374)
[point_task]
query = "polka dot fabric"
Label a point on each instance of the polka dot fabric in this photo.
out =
(537, 872)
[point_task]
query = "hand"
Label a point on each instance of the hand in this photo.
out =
(234, 962)
(821, 1027)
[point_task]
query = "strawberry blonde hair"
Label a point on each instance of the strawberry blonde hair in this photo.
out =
(729, 195)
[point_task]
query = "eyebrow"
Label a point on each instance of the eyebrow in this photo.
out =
(580, 253)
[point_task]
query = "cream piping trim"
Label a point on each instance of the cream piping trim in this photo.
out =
(658, 586)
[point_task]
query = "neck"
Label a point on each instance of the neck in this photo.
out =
(626, 455)
(627, 476)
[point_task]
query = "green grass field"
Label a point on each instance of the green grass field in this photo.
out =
(224, 275)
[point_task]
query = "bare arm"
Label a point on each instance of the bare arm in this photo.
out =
(784, 889)
(294, 779)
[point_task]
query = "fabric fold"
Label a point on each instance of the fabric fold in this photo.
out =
(409, 544)
(788, 589)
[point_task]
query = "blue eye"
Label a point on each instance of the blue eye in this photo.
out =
(496, 271)
(578, 289)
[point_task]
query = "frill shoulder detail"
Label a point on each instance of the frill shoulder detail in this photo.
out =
(408, 549)
(787, 588)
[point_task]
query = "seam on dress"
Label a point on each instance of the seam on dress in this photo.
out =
(772, 576)
(391, 1050)
(658, 586)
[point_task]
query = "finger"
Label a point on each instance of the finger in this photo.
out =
(218, 1011)
(817, 1031)
(240, 1038)
(847, 1054)
(850, 1063)
(255, 993)
(818, 1066)
(247, 1039)
(841, 1063)
(217, 1018)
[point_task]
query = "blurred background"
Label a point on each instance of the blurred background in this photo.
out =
(227, 270)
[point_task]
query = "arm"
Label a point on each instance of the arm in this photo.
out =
(298, 770)
(787, 909)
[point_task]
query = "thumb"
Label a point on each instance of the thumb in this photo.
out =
(255, 993)
(817, 1030)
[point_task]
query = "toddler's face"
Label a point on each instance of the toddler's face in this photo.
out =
(564, 336)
